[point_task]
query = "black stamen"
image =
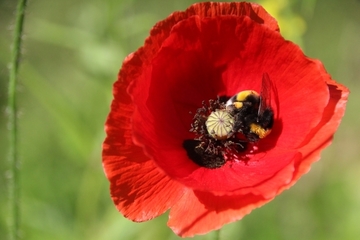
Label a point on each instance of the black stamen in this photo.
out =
(201, 156)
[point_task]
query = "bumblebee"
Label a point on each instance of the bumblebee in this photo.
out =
(253, 115)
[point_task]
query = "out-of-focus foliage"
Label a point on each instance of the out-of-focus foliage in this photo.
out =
(72, 53)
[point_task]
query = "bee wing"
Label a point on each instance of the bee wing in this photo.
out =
(265, 96)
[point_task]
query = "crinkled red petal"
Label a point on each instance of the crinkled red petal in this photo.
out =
(138, 188)
(200, 212)
(162, 29)
(321, 135)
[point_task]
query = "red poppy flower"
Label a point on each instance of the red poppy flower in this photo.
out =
(160, 152)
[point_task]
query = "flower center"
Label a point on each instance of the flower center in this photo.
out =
(224, 128)
(219, 124)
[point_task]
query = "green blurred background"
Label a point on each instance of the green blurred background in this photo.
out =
(71, 55)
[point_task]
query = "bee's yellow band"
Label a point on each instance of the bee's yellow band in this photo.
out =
(258, 130)
(241, 96)
(238, 105)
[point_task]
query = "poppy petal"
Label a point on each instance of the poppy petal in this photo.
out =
(138, 188)
(204, 211)
(212, 9)
(162, 29)
(321, 136)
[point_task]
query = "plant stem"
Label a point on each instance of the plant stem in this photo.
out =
(14, 188)
(217, 234)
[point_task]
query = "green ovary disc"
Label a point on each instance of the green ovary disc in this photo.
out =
(219, 124)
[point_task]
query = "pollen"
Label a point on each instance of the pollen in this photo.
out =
(258, 130)
(220, 124)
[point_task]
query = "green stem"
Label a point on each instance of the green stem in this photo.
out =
(217, 234)
(14, 187)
